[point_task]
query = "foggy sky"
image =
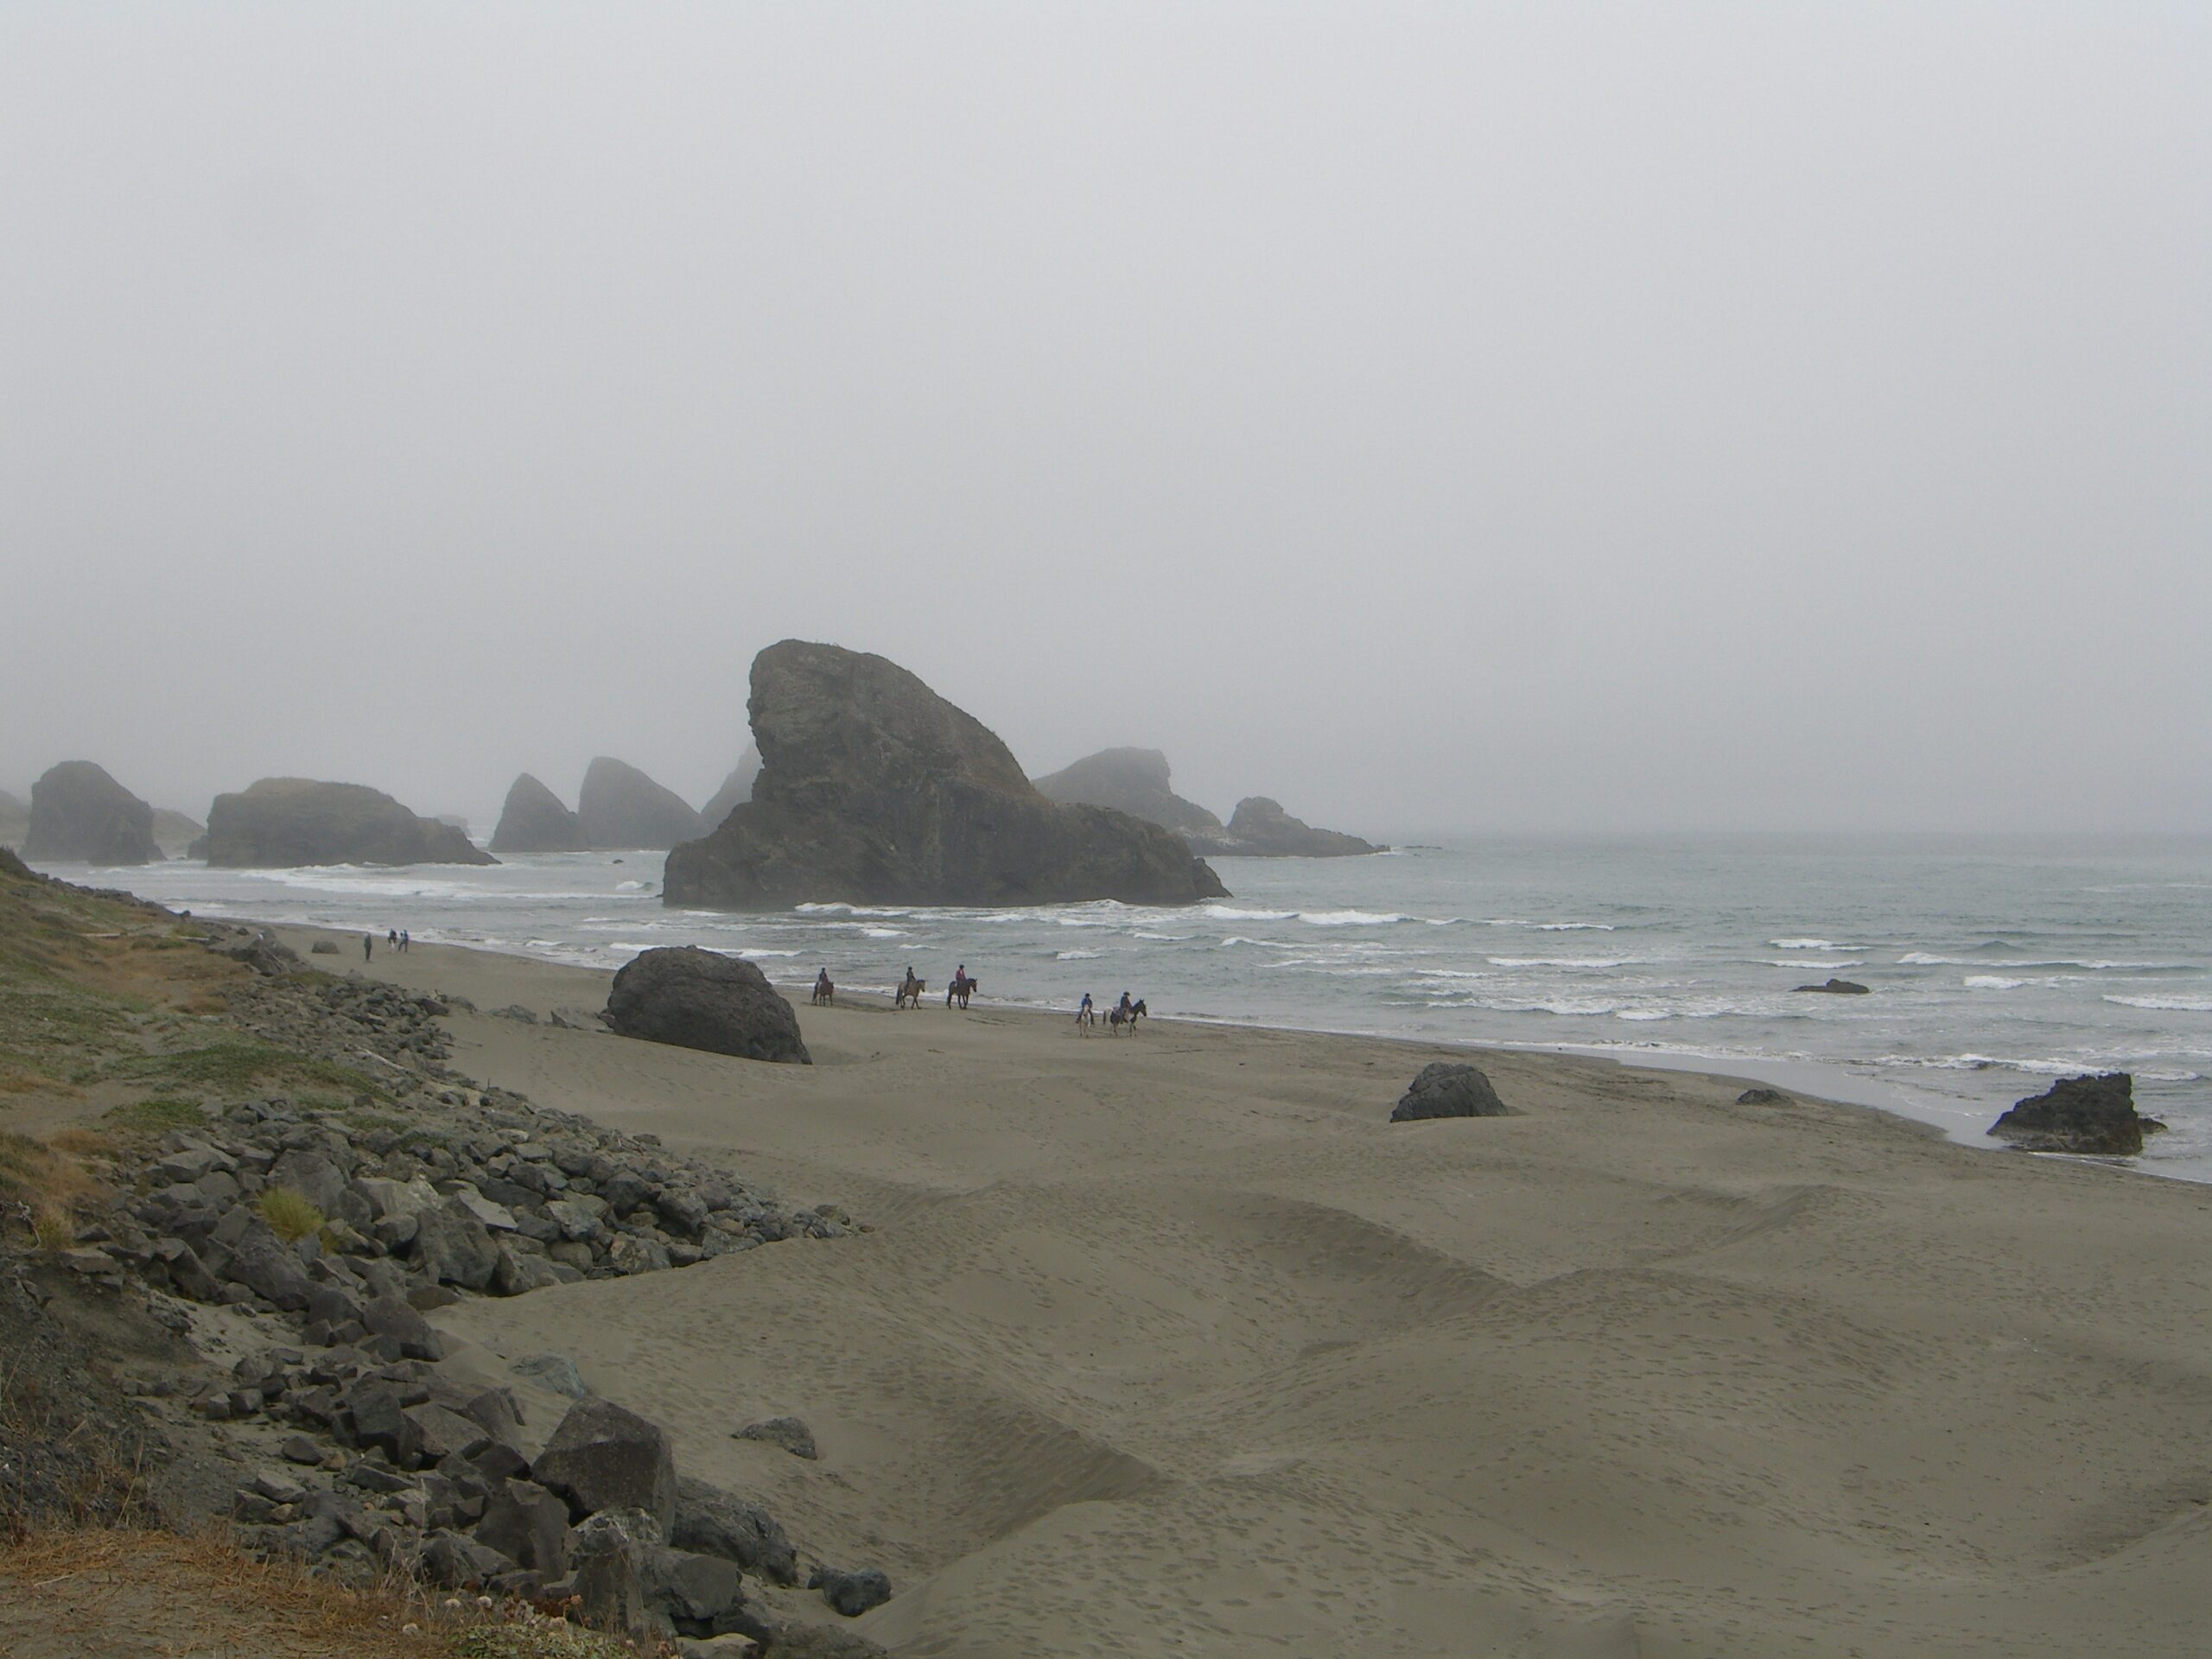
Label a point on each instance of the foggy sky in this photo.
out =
(1438, 417)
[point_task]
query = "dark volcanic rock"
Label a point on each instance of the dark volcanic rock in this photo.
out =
(1134, 781)
(619, 807)
(1444, 1089)
(736, 790)
(80, 814)
(790, 1432)
(873, 789)
(1762, 1097)
(715, 1523)
(851, 1593)
(1259, 828)
(697, 999)
(1838, 988)
(2084, 1114)
(534, 821)
(601, 1457)
(283, 821)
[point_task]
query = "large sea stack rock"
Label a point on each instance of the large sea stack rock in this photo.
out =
(875, 790)
(700, 999)
(619, 808)
(174, 832)
(1134, 781)
(534, 821)
(79, 814)
(736, 790)
(15, 819)
(1447, 1089)
(283, 821)
(1259, 828)
(2084, 1115)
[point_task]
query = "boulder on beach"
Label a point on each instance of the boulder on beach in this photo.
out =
(619, 808)
(736, 790)
(174, 831)
(2087, 1113)
(1837, 987)
(1445, 1089)
(534, 821)
(81, 815)
(690, 998)
(280, 822)
(875, 790)
(601, 1457)
(1259, 828)
(1134, 781)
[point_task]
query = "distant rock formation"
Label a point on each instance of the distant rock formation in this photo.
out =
(619, 808)
(1836, 987)
(534, 821)
(2094, 1115)
(79, 814)
(174, 832)
(282, 821)
(875, 790)
(1134, 781)
(15, 819)
(736, 790)
(700, 999)
(1444, 1089)
(1259, 828)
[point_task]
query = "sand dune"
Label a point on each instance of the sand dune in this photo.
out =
(1173, 1346)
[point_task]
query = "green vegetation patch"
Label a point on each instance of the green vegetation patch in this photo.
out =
(232, 1065)
(159, 1116)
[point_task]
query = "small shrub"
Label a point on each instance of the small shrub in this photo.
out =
(82, 1143)
(53, 1229)
(159, 1114)
(291, 1214)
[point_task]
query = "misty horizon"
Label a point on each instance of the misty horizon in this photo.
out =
(1445, 424)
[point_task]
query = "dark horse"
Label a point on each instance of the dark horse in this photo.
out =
(823, 990)
(1117, 1018)
(962, 988)
(909, 991)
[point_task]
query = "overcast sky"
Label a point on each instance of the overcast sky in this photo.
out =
(1439, 418)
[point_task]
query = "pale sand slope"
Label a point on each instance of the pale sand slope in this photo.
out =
(1175, 1346)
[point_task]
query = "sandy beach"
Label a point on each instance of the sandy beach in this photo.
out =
(1172, 1344)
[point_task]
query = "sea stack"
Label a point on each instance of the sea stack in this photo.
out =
(619, 808)
(534, 821)
(1259, 828)
(1134, 781)
(736, 790)
(284, 822)
(79, 814)
(875, 790)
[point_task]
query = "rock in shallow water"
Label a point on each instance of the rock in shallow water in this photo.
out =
(2088, 1114)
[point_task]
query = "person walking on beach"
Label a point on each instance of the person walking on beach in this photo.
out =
(368, 945)
(392, 940)
(403, 941)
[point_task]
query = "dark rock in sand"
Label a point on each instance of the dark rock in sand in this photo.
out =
(529, 1526)
(534, 821)
(1134, 781)
(793, 1435)
(873, 789)
(283, 821)
(619, 807)
(736, 790)
(851, 1593)
(697, 999)
(555, 1371)
(716, 1522)
(2086, 1114)
(1762, 1097)
(1259, 828)
(601, 1457)
(1446, 1090)
(1838, 988)
(81, 815)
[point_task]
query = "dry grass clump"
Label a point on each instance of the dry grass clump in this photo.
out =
(47, 1183)
(291, 1214)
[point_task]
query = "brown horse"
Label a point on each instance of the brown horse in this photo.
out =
(962, 988)
(824, 992)
(1117, 1018)
(910, 990)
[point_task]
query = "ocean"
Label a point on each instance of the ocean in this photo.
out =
(1995, 965)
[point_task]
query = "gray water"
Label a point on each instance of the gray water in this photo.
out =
(1995, 965)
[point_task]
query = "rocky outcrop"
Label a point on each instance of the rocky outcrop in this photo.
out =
(15, 819)
(1259, 828)
(2094, 1115)
(1837, 987)
(692, 998)
(619, 808)
(736, 790)
(534, 821)
(174, 832)
(81, 815)
(280, 822)
(875, 790)
(1134, 781)
(1447, 1089)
